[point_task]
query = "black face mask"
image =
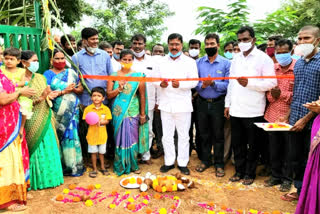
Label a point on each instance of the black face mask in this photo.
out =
(69, 52)
(211, 51)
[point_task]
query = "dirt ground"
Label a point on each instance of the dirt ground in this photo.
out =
(208, 189)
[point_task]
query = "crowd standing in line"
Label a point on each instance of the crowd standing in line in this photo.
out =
(45, 135)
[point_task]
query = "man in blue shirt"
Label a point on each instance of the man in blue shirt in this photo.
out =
(91, 61)
(306, 89)
(210, 104)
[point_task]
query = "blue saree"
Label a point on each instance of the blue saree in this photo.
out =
(131, 138)
(66, 111)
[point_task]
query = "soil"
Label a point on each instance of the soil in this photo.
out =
(208, 189)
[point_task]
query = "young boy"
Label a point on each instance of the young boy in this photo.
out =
(97, 134)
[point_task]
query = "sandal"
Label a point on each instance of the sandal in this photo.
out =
(105, 172)
(292, 196)
(236, 177)
(16, 207)
(201, 168)
(220, 172)
(248, 181)
(138, 171)
(93, 174)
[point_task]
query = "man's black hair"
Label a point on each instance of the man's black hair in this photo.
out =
(246, 28)
(262, 47)
(99, 90)
(63, 39)
(275, 38)
(157, 45)
(283, 42)
(117, 43)
(194, 41)
(212, 36)
(175, 36)
(138, 37)
(88, 32)
(227, 44)
(104, 45)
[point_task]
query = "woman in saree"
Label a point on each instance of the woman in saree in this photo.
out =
(66, 111)
(309, 199)
(13, 185)
(129, 117)
(45, 164)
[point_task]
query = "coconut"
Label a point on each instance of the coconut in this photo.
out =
(191, 185)
(178, 175)
(153, 177)
(181, 187)
(148, 174)
(185, 180)
(148, 181)
(143, 187)
(85, 197)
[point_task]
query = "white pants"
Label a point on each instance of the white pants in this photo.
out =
(146, 156)
(182, 122)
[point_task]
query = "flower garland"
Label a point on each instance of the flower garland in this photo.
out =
(215, 209)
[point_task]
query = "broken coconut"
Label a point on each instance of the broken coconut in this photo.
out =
(181, 187)
(143, 187)
(148, 174)
(153, 177)
(185, 180)
(178, 175)
(148, 181)
(191, 185)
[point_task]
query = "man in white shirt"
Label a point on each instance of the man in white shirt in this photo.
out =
(175, 103)
(246, 101)
(143, 63)
(108, 48)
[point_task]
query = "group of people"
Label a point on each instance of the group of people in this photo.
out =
(45, 133)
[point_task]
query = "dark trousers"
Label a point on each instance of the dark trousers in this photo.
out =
(194, 122)
(279, 154)
(299, 145)
(157, 129)
(83, 130)
(111, 145)
(263, 146)
(211, 127)
(244, 144)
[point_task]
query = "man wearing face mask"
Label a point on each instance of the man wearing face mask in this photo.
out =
(67, 47)
(210, 104)
(228, 50)
(194, 51)
(278, 108)
(175, 103)
(91, 61)
(117, 46)
(143, 63)
(245, 103)
(306, 89)
(271, 44)
(116, 66)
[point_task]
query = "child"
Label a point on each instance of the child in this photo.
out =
(97, 134)
(12, 57)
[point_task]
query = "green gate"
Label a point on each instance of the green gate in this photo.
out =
(27, 38)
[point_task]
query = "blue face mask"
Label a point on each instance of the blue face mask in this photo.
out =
(228, 55)
(34, 67)
(115, 56)
(175, 56)
(296, 57)
(284, 59)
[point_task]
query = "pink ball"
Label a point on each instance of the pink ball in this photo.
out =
(92, 118)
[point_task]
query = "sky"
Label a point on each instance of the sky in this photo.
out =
(184, 21)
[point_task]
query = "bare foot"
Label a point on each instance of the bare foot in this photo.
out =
(16, 207)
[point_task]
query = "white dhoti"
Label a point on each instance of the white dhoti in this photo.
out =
(180, 121)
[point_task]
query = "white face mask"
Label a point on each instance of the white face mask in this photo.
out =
(304, 50)
(245, 46)
(194, 52)
(91, 50)
(140, 54)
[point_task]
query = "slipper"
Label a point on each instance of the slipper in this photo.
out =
(105, 172)
(201, 168)
(16, 208)
(93, 174)
(292, 196)
(220, 172)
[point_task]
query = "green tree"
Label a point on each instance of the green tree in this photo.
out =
(120, 19)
